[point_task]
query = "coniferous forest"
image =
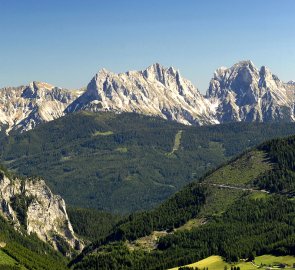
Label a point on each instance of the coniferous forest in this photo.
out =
(256, 222)
(123, 163)
(243, 205)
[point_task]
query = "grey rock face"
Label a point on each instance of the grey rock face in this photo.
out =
(45, 215)
(155, 91)
(244, 93)
(239, 93)
(23, 108)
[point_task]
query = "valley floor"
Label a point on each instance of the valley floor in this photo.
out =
(261, 262)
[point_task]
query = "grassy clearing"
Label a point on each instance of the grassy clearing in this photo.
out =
(217, 263)
(219, 200)
(258, 195)
(216, 147)
(177, 141)
(217, 203)
(212, 262)
(241, 172)
(147, 243)
(270, 260)
(122, 149)
(103, 133)
(193, 223)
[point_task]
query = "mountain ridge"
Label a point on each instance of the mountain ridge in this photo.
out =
(154, 91)
(245, 93)
(239, 93)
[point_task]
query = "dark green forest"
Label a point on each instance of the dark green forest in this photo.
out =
(254, 222)
(92, 224)
(282, 154)
(236, 223)
(123, 163)
(264, 226)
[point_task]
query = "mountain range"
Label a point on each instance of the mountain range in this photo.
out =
(239, 93)
(175, 191)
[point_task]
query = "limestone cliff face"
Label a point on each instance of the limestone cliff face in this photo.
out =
(25, 107)
(156, 91)
(240, 93)
(31, 205)
(245, 93)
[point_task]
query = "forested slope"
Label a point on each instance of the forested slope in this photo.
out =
(127, 162)
(239, 217)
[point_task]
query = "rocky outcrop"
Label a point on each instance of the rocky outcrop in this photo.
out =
(245, 93)
(156, 91)
(29, 204)
(23, 108)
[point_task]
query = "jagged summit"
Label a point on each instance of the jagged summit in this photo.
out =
(246, 93)
(154, 91)
(158, 71)
(245, 63)
(25, 107)
(242, 92)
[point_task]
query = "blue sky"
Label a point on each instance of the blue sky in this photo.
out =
(65, 42)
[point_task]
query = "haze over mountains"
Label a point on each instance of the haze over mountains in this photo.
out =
(239, 93)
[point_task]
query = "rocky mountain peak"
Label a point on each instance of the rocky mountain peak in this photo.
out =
(239, 78)
(25, 107)
(244, 93)
(154, 91)
(35, 89)
(41, 85)
(239, 93)
(155, 72)
(245, 63)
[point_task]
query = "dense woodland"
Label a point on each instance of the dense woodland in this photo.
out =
(123, 163)
(173, 213)
(245, 226)
(282, 154)
(252, 225)
(249, 227)
(91, 224)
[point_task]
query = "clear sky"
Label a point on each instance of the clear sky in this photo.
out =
(65, 42)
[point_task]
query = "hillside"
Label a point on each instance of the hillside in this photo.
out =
(126, 162)
(22, 251)
(226, 214)
(92, 224)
